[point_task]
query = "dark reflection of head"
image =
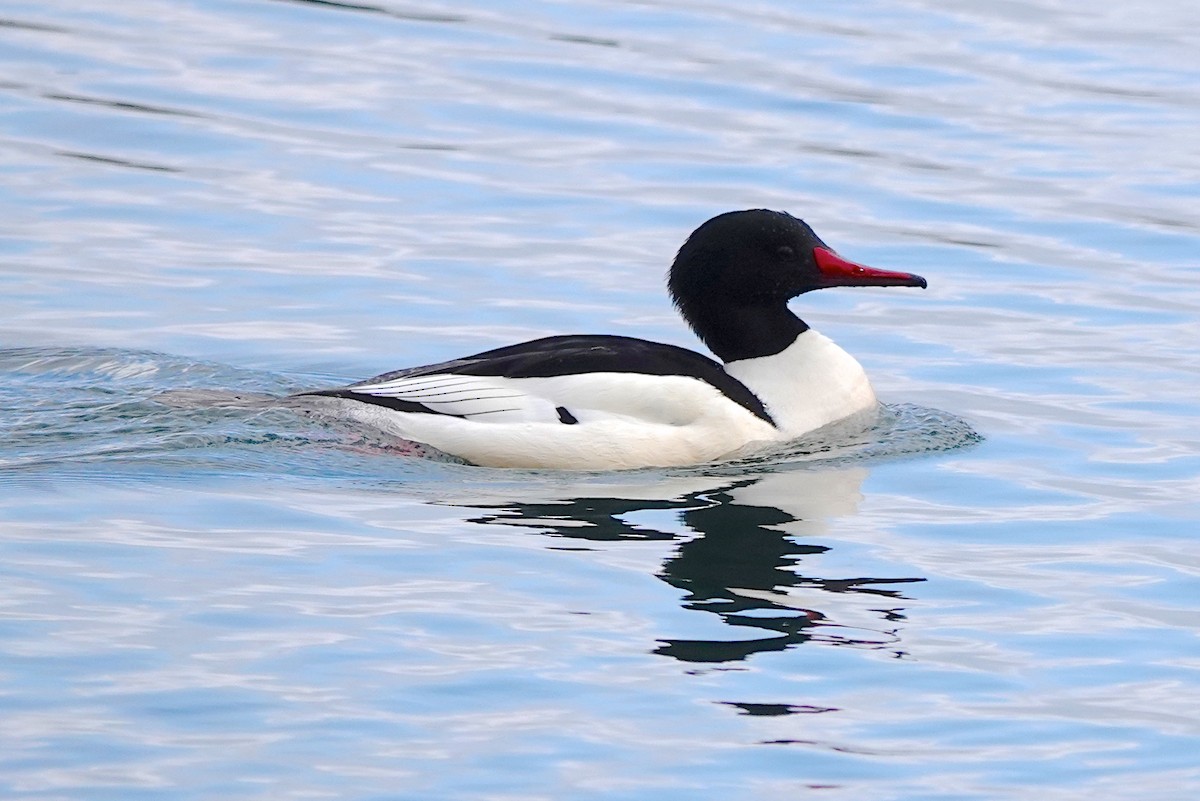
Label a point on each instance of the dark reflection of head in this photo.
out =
(739, 568)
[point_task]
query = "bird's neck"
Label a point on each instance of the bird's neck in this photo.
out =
(745, 332)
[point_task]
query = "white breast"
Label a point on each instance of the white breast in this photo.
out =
(809, 384)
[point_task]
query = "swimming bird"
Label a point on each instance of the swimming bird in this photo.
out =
(615, 402)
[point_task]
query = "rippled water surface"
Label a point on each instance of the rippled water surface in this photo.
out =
(991, 594)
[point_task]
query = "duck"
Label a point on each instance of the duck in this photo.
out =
(607, 402)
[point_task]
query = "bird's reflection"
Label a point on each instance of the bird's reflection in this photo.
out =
(741, 555)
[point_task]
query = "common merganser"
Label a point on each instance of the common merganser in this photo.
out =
(614, 402)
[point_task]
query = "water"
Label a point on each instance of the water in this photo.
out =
(992, 594)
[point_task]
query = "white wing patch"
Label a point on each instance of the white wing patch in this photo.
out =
(484, 398)
(650, 399)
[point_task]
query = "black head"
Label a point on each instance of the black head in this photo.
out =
(735, 274)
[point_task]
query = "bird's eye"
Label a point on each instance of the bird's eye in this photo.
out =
(785, 251)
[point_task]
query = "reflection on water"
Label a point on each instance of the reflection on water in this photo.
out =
(738, 556)
(740, 530)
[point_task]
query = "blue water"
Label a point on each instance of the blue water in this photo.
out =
(991, 594)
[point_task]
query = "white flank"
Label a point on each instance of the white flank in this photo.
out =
(625, 420)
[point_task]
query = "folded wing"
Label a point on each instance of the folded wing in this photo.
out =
(548, 380)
